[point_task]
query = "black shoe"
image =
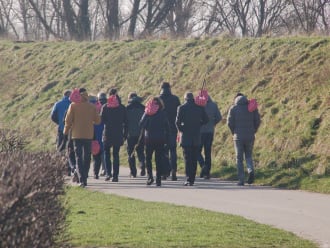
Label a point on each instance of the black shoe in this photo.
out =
(251, 177)
(207, 177)
(187, 183)
(107, 178)
(158, 182)
(75, 178)
(150, 181)
(96, 176)
(102, 173)
(143, 173)
(240, 184)
(82, 185)
(164, 177)
(132, 175)
(115, 179)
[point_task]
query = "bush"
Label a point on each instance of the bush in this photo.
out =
(31, 212)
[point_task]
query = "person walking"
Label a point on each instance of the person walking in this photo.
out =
(243, 125)
(135, 110)
(97, 139)
(207, 135)
(190, 117)
(102, 99)
(171, 104)
(57, 115)
(114, 117)
(156, 134)
(80, 119)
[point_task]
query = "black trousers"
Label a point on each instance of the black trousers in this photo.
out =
(132, 141)
(159, 154)
(190, 154)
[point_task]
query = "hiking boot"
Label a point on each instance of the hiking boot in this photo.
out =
(251, 177)
(150, 180)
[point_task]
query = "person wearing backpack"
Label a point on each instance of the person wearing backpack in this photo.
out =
(80, 120)
(207, 134)
(156, 129)
(114, 117)
(135, 110)
(190, 117)
(57, 116)
(171, 104)
(243, 125)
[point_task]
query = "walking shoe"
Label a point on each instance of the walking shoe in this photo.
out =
(107, 178)
(251, 177)
(158, 182)
(102, 173)
(143, 172)
(187, 183)
(96, 176)
(150, 181)
(82, 185)
(115, 179)
(207, 177)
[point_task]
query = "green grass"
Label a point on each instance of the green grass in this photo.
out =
(288, 76)
(100, 220)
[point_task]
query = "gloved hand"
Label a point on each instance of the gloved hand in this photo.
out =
(63, 144)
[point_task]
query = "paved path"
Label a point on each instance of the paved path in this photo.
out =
(303, 213)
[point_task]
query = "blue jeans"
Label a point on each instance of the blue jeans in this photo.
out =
(115, 154)
(82, 149)
(243, 149)
(206, 144)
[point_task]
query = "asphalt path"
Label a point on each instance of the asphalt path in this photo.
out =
(304, 213)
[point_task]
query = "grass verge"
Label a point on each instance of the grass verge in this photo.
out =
(100, 220)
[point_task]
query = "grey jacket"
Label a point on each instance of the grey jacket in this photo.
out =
(242, 123)
(214, 115)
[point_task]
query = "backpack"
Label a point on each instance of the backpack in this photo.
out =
(151, 107)
(201, 98)
(252, 105)
(113, 101)
(75, 96)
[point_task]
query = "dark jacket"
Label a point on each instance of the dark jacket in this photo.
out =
(171, 104)
(59, 111)
(214, 116)
(156, 128)
(135, 111)
(189, 120)
(242, 123)
(115, 125)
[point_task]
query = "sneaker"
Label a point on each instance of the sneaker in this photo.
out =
(251, 177)
(187, 183)
(150, 180)
(115, 179)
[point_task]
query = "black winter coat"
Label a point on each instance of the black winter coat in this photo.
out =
(135, 111)
(189, 119)
(156, 128)
(115, 125)
(171, 104)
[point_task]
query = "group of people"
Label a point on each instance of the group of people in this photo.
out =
(97, 126)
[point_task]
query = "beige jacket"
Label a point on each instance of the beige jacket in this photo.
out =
(81, 118)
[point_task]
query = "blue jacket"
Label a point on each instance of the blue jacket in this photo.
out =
(242, 123)
(214, 116)
(58, 112)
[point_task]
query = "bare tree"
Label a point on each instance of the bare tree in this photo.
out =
(112, 17)
(241, 9)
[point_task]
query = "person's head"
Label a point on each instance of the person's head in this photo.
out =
(112, 91)
(159, 102)
(102, 97)
(165, 88)
(92, 99)
(239, 94)
(84, 94)
(188, 96)
(67, 93)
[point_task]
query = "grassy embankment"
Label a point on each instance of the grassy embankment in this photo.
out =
(288, 76)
